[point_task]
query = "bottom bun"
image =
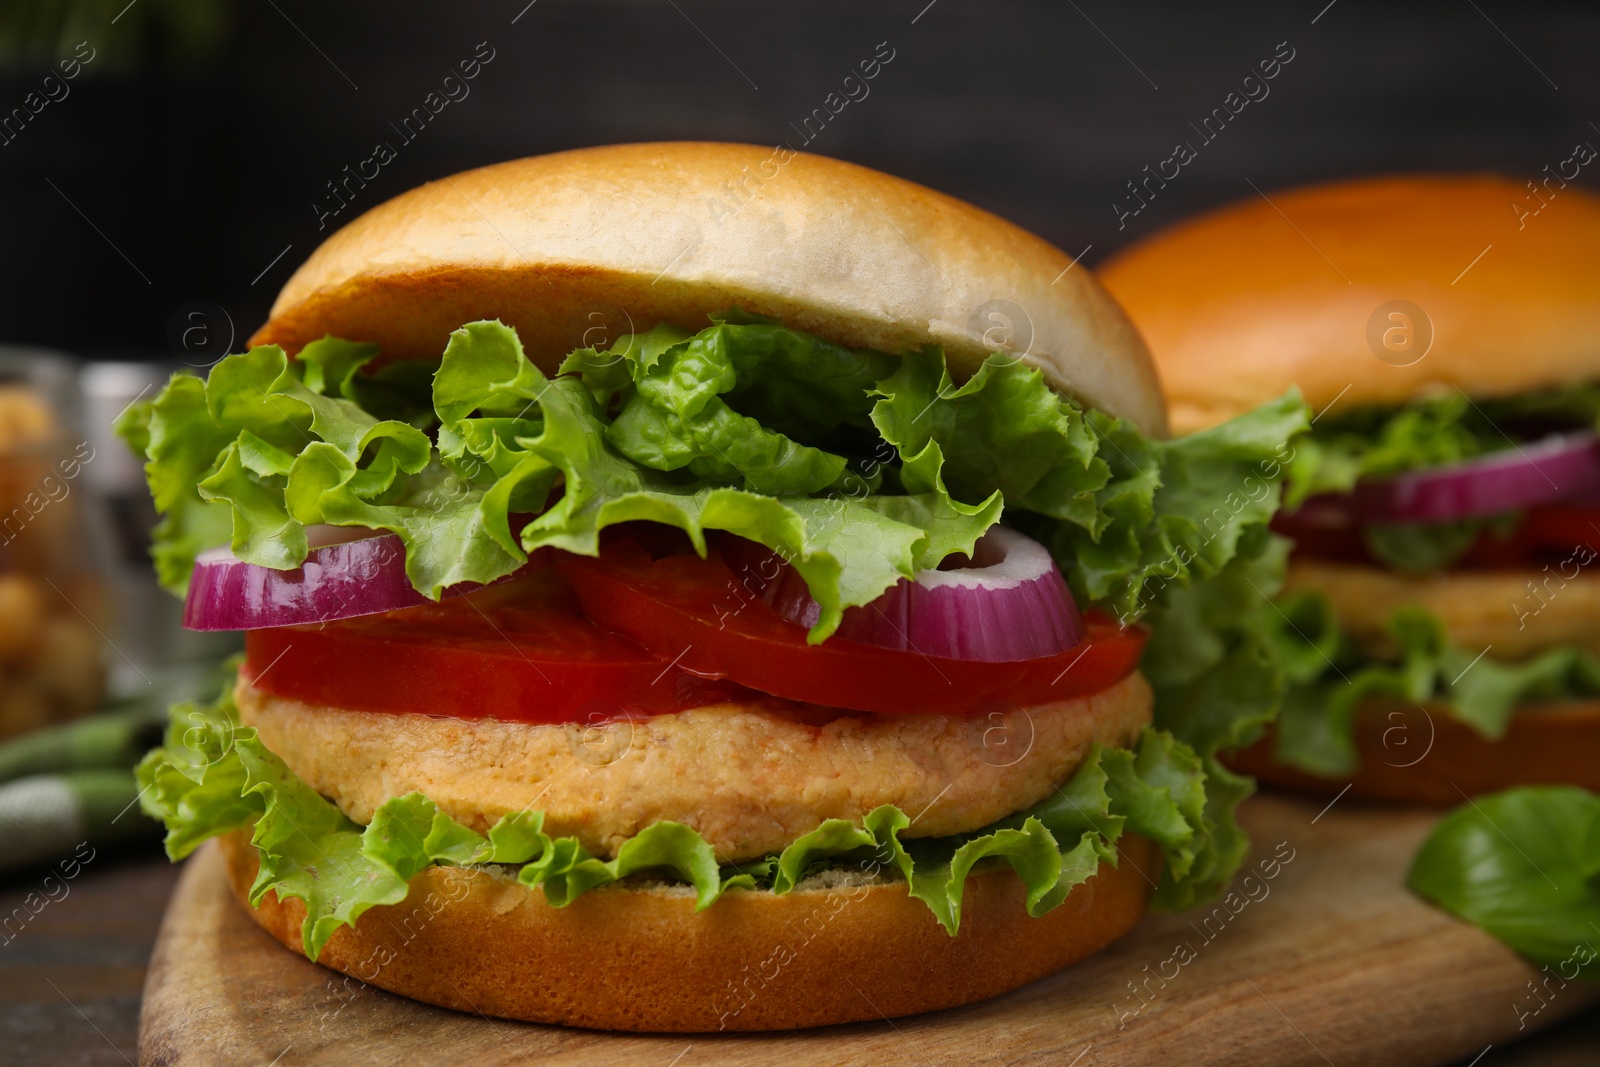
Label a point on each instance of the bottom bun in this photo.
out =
(1423, 755)
(641, 958)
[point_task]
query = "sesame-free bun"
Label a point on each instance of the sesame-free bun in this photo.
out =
(580, 247)
(1414, 754)
(1239, 304)
(640, 958)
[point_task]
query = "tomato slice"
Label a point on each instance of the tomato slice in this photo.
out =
(693, 612)
(1334, 544)
(521, 651)
(1554, 534)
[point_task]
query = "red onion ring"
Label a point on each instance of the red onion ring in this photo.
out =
(1558, 467)
(1011, 604)
(355, 571)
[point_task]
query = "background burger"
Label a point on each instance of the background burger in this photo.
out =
(1442, 613)
(695, 587)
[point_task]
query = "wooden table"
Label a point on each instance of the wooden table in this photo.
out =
(71, 979)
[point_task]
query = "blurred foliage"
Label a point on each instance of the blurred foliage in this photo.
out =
(177, 36)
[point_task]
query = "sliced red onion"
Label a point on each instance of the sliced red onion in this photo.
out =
(1558, 467)
(1010, 604)
(353, 571)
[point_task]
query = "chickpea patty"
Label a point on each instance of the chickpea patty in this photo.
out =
(1519, 612)
(751, 778)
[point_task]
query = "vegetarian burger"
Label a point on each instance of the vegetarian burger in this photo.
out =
(696, 587)
(1441, 618)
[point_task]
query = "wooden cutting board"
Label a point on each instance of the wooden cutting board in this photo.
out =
(1323, 958)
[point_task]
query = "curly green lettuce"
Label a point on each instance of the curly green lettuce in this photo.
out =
(213, 776)
(1524, 865)
(1218, 684)
(1329, 677)
(745, 426)
(1432, 431)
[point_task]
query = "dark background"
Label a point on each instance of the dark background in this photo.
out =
(191, 149)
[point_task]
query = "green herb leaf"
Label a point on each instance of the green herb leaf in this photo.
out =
(1524, 865)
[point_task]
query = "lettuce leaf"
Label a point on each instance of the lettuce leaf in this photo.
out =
(1132, 516)
(1431, 431)
(281, 445)
(1329, 677)
(1524, 865)
(732, 428)
(1218, 682)
(214, 775)
(672, 413)
(850, 548)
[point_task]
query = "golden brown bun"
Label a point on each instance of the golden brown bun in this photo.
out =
(1241, 303)
(574, 247)
(642, 959)
(1552, 744)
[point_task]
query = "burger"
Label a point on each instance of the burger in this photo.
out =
(1441, 614)
(700, 587)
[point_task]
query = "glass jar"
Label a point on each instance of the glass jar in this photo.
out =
(52, 602)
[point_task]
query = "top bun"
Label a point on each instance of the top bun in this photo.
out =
(1241, 303)
(579, 247)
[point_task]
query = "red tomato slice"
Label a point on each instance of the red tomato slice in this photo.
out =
(1553, 534)
(692, 612)
(1340, 544)
(521, 651)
